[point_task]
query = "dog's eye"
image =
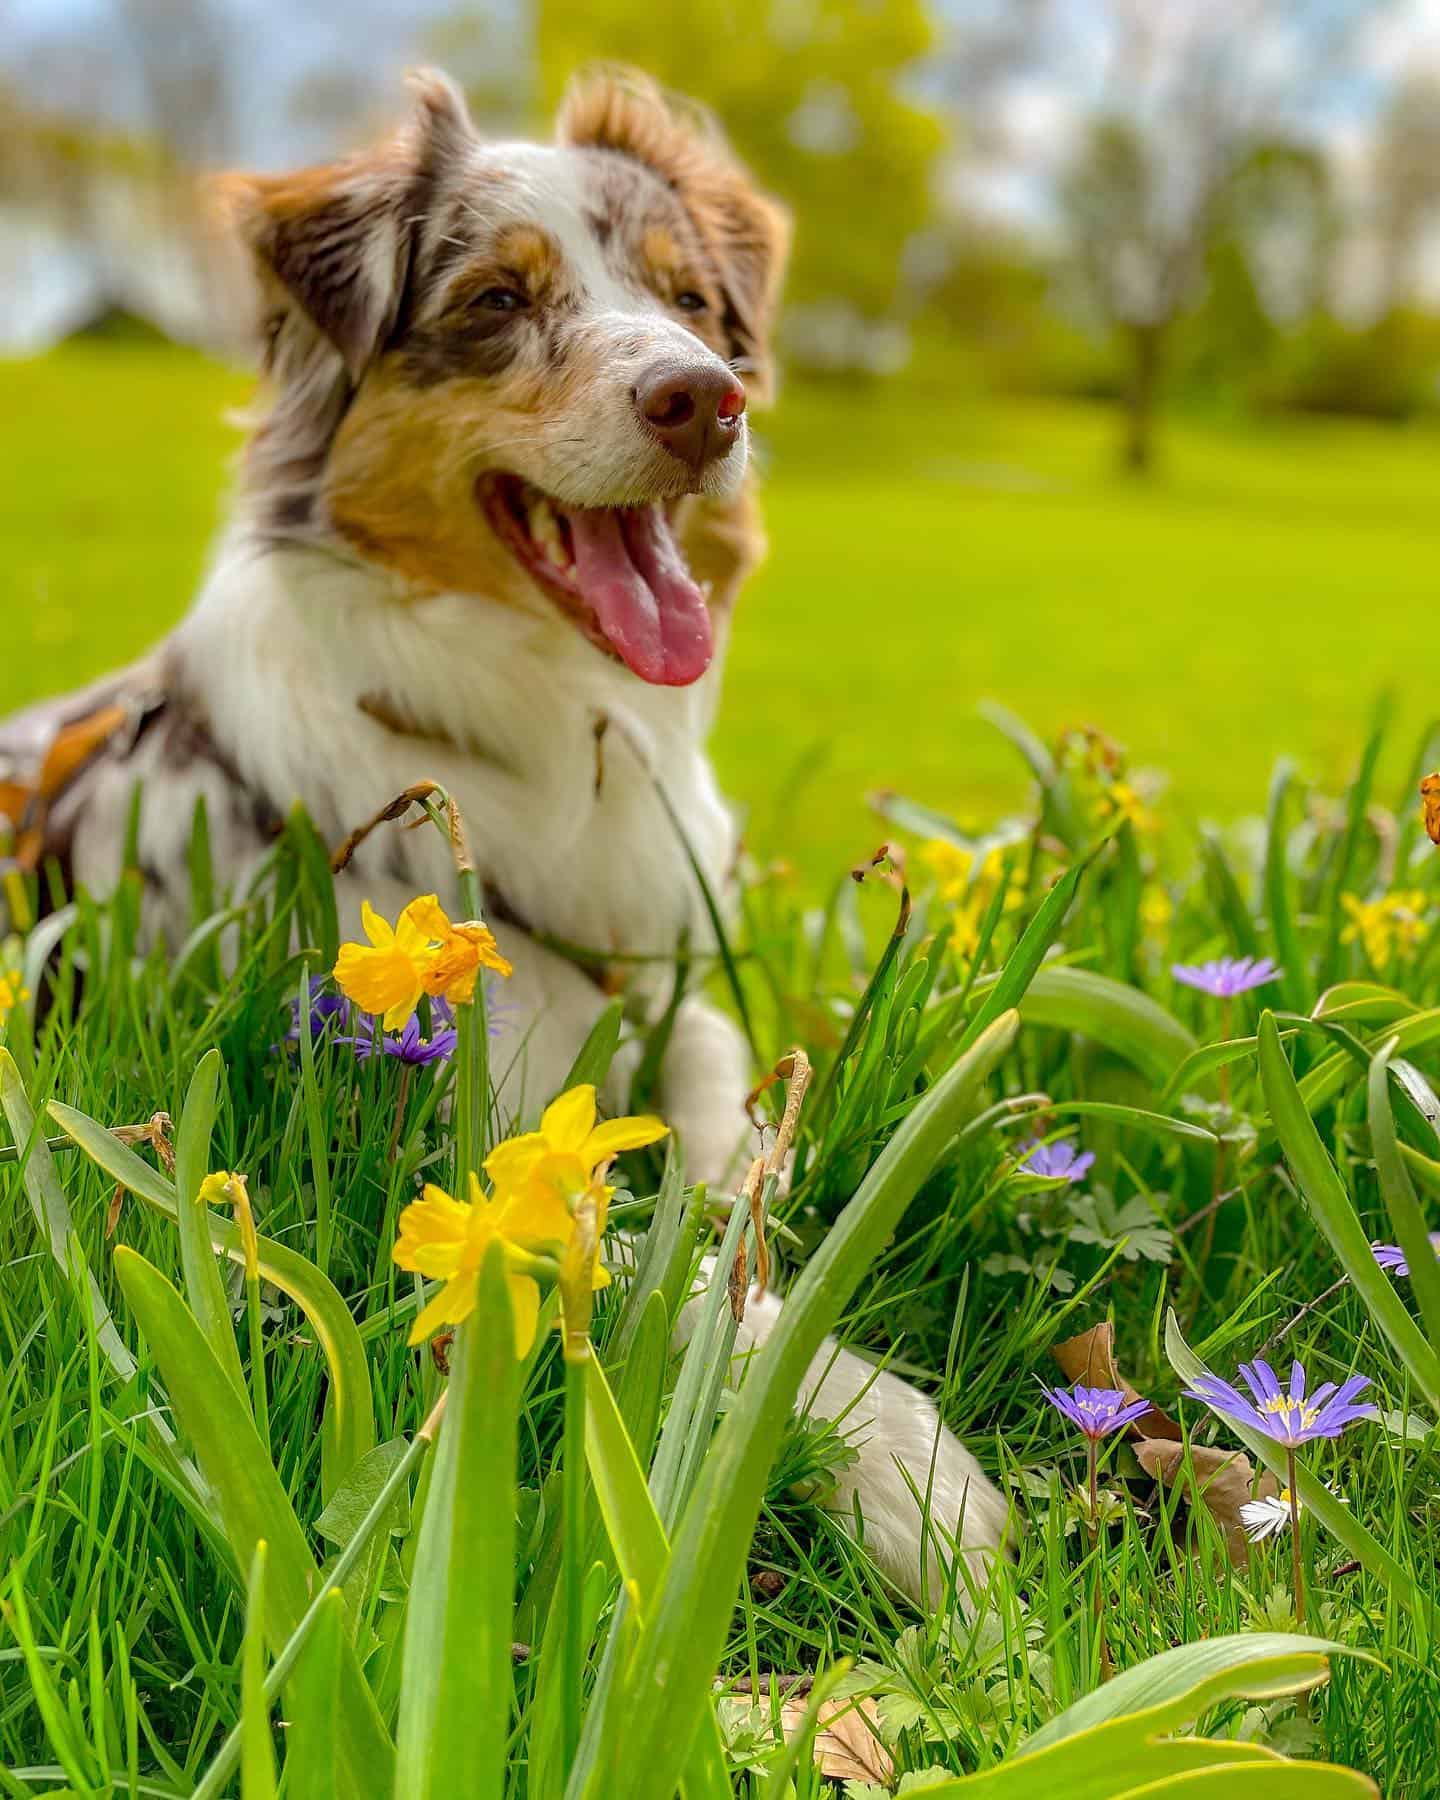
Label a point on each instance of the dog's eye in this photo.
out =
(502, 299)
(690, 301)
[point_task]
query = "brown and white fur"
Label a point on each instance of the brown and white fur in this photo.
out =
(452, 330)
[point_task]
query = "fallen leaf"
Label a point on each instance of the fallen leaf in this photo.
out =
(847, 1744)
(1090, 1358)
(1225, 1480)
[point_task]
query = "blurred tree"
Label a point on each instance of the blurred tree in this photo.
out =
(1407, 180)
(1191, 164)
(813, 94)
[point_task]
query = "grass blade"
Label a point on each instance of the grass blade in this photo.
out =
(1334, 1212)
(254, 1507)
(349, 1402)
(650, 1724)
(1399, 1195)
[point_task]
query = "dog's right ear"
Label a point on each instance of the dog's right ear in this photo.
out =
(335, 242)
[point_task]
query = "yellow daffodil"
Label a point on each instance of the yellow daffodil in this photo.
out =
(1119, 803)
(13, 992)
(1157, 909)
(1392, 926)
(966, 889)
(388, 978)
(460, 951)
(423, 953)
(568, 1148)
(447, 1239)
(543, 1183)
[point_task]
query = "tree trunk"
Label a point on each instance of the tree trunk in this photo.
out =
(1141, 396)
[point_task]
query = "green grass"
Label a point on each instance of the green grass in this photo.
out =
(930, 549)
(122, 1637)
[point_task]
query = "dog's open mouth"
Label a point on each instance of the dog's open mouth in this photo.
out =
(617, 570)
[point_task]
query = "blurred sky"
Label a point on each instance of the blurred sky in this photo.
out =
(278, 48)
(292, 80)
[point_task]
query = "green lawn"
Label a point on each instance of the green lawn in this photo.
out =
(928, 551)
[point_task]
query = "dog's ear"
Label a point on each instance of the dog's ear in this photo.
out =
(747, 232)
(335, 241)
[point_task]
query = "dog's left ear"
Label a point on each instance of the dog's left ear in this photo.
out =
(335, 242)
(747, 232)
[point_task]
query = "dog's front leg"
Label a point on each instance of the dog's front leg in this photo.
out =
(920, 1492)
(704, 1079)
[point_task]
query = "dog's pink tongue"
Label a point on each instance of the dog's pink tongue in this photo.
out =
(634, 580)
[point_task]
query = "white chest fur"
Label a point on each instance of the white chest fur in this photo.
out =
(305, 664)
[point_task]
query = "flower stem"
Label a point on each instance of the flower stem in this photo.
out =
(1093, 1446)
(573, 1564)
(1299, 1561)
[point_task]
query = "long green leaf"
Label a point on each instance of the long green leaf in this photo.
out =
(257, 1750)
(1022, 966)
(1177, 1685)
(349, 1401)
(203, 1287)
(455, 1701)
(312, 1748)
(1399, 1195)
(1337, 1519)
(1334, 1212)
(253, 1505)
(1122, 1018)
(1295, 984)
(651, 1722)
(1267, 1781)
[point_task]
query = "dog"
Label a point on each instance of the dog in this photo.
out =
(489, 530)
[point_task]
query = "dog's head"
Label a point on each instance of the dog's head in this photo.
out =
(500, 369)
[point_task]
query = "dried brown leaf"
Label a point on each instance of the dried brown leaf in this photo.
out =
(847, 1745)
(1090, 1358)
(1225, 1480)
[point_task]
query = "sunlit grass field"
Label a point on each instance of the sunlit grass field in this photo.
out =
(930, 549)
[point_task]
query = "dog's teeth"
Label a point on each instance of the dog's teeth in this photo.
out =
(545, 532)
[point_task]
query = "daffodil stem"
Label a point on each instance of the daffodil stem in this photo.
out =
(473, 1069)
(573, 1573)
(215, 1780)
(259, 1395)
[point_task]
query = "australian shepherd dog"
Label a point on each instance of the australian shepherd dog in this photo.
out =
(490, 529)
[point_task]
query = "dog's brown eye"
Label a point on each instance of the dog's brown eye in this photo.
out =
(690, 301)
(502, 299)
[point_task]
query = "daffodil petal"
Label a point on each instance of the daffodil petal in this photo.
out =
(454, 1303)
(525, 1310)
(512, 1163)
(615, 1135)
(375, 928)
(568, 1121)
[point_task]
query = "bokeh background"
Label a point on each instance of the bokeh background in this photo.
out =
(1111, 358)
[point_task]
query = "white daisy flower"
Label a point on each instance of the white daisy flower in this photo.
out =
(1270, 1516)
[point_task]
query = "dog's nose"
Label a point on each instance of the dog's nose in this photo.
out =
(694, 409)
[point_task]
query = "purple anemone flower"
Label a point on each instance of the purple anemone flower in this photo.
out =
(1057, 1161)
(1391, 1256)
(1227, 976)
(1095, 1411)
(408, 1046)
(1289, 1417)
(326, 1011)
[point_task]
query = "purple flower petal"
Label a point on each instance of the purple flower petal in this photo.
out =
(1391, 1256)
(1061, 1160)
(1095, 1411)
(1227, 976)
(1287, 1416)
